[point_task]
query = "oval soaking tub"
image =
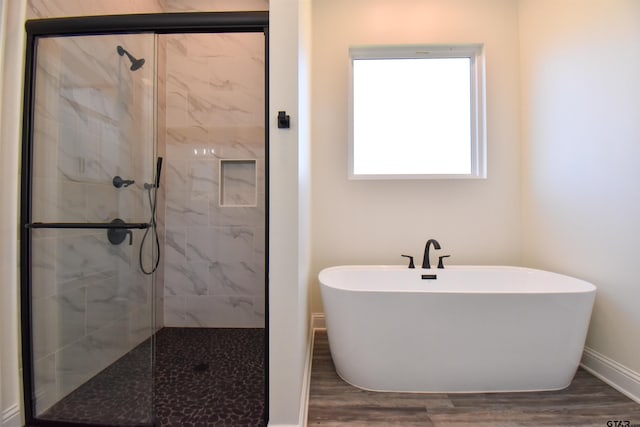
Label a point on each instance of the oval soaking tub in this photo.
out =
(471, 329)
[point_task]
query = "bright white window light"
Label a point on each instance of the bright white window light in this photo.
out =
(416, 113)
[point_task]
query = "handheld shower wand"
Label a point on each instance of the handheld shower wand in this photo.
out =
(148, 186)
(153, 203)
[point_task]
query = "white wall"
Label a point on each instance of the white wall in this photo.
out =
(373, 222)
(12, 50)
(581, 145)
(289, 209)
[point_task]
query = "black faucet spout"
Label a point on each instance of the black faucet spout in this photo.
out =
(425, 257)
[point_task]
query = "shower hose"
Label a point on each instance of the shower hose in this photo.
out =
(152, 206)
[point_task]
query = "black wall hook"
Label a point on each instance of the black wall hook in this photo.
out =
(284, 121)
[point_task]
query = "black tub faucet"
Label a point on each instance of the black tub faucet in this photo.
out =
(425, 257)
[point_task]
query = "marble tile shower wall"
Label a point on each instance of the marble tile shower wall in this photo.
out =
(214, 263)
(94, 120)
(58, 8)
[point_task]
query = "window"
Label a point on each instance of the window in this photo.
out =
(417, 112)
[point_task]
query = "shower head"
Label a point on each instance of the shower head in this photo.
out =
(135, 63)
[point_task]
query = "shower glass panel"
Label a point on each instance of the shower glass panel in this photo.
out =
(93, 152)
(215, 180)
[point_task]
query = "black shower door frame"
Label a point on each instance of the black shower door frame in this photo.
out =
(160, 23)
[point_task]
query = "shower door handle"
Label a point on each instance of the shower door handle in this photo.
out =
(90, 225)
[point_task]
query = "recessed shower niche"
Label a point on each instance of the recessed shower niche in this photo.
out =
(238, 184)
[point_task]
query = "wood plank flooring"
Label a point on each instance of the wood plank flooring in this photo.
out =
(587, 402)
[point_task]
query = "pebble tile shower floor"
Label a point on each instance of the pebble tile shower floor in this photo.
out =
(203, 377)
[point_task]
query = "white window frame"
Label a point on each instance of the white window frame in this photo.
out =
(477, 102)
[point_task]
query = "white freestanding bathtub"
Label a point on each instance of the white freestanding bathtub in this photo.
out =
(471, 329)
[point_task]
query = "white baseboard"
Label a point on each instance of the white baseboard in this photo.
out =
(317, 321)
(11, 417)
(306, 379)
(613, 373)
(306, 382)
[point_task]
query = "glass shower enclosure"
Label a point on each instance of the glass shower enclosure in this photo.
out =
(89, 243)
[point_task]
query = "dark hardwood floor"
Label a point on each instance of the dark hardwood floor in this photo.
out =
(587, 402)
